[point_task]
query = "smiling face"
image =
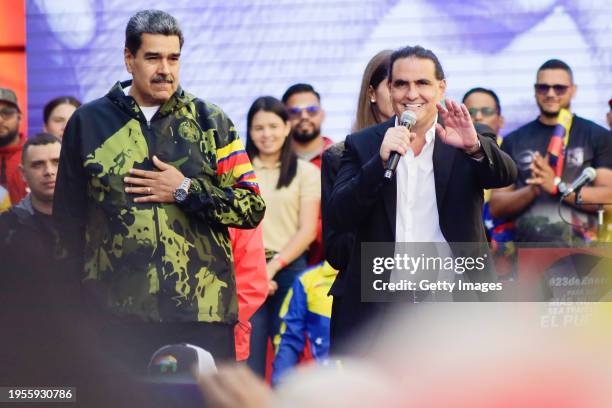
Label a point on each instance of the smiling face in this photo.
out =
(414, 87)
(269, 132)
(154, 68)
(551, 100)
(305, 116)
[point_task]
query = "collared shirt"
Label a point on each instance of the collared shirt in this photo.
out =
(315, 156)
(416, 218)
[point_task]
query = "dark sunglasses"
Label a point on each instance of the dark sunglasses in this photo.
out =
(486, 111)
(310, 110)
(543, 89)
(7, 113)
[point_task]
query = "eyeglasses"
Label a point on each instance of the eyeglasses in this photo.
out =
(7, 113)
(486, 111)
(543, 89)
(296, 112)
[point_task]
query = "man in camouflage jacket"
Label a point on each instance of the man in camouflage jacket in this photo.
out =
(154, 254)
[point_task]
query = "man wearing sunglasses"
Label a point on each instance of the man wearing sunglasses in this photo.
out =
(306, 116)
(533, 199)
(483, 106)
(11, 145)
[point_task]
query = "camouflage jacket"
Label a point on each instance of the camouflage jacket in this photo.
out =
(156, 262)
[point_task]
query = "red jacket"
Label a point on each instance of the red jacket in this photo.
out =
(251, 282)
(10, 176)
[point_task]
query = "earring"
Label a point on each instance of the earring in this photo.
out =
(373, 100)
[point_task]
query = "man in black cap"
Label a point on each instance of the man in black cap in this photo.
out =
(11, 145)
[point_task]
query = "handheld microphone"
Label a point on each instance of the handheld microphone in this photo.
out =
(407, 119)
(588, 174)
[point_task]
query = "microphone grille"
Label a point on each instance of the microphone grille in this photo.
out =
(408, 118)
(590, 173)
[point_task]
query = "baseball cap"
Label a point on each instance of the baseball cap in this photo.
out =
(178, 363)
(8, 96)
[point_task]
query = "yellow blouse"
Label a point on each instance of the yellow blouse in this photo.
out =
(281, 221)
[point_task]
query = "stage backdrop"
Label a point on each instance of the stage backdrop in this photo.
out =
(12, 53)
(236, 51)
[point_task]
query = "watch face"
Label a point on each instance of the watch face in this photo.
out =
(180, 195)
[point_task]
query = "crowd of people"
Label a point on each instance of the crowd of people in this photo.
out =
(145, 207)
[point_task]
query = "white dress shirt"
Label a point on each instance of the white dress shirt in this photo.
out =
(416, 218)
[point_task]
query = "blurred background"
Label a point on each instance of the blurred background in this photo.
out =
(237, 50)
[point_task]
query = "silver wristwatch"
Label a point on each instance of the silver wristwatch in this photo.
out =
(180, 194)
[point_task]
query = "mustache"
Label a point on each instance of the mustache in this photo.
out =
(305, 120)
(158, 79)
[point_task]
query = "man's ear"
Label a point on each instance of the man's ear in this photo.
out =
(129, 60)
(442, 86)
(573, 90)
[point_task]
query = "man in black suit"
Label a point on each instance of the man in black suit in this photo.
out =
(439, 182)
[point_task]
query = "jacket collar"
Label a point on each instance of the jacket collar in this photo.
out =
(12, 149)
(179, 99)
(24, 210)
(25, 206)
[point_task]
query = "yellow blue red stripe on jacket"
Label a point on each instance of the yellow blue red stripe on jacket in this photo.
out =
(233, 158)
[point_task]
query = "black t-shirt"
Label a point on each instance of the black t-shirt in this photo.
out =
(46, 223)
(589, 145)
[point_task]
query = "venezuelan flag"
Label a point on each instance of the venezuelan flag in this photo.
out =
(233, 159)
(559, 140)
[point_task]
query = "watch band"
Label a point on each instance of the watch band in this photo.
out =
(181, 193)
(185, 184)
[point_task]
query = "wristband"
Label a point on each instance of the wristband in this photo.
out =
(281, 262)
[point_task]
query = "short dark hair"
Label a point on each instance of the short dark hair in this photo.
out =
(150, 22)
(489, 92)
(418, 52)
(299, 88)
(557, 64)
(39, 139)
(288, 159)
(55, 102)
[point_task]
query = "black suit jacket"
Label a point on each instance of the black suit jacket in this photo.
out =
(363, 202)
(338, 245)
